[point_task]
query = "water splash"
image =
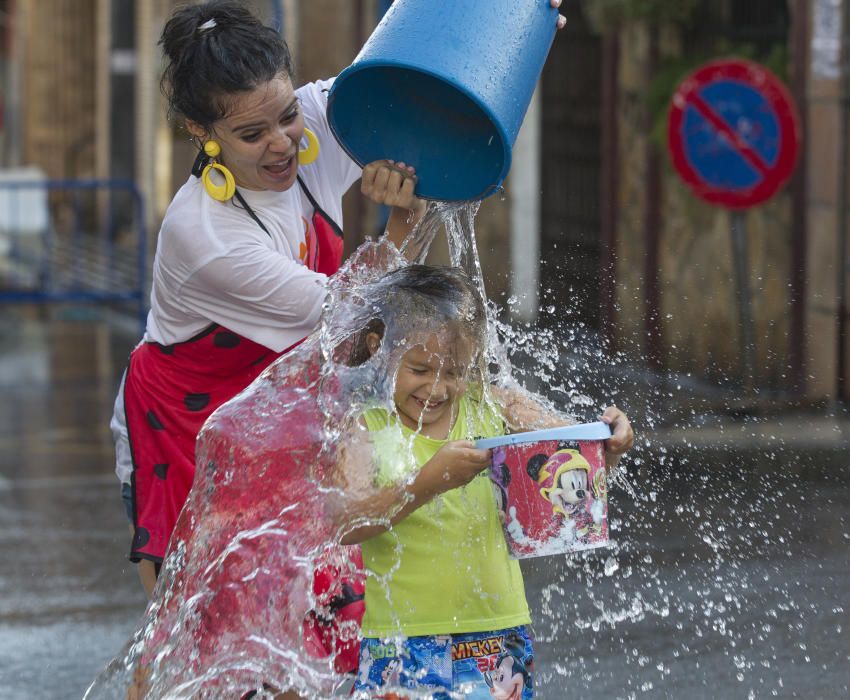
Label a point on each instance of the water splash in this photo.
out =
(236, 594)
(705, 585)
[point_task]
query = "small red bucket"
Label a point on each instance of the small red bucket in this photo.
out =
(551, 487)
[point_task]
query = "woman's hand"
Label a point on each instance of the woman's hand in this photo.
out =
(622, 437)
(391, 184)
(562, 21)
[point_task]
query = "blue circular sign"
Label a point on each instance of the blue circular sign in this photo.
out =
(733, 133)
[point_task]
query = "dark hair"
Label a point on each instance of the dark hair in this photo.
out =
(215, 50)
(415, 293)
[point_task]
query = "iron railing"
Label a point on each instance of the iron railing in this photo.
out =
(73, 241)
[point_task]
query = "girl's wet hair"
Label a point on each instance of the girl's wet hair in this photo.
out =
(215, 51)
(423, 297)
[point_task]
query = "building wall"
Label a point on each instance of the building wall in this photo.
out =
(698, 312)
(328, 39)
(699, 296)
(631, 157)
(826, 205)
(58, 93)
(329, 36)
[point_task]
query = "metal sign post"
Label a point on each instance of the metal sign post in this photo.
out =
(733, 135)
(741, 265)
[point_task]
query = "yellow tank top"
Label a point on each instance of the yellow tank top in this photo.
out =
(445, 568)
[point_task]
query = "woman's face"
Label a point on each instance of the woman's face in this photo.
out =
(260, 135)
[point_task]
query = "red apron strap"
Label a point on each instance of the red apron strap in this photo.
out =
(327, 256)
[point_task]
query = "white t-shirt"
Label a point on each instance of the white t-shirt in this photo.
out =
(214, 264)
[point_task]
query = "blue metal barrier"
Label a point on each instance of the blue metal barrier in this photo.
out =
(78, 241)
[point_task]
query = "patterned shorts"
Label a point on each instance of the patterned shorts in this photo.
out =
(474, 666)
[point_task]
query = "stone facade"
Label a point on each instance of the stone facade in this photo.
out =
(698, 298)
(826, 207)
(57, 60)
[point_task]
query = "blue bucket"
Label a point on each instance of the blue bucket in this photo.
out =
(443, 85)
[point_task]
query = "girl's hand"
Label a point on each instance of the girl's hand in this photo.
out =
(622, 437)
(455, 464)
(391, 184)
(562, 21)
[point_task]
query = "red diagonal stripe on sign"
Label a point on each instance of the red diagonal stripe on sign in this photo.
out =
(752, 156)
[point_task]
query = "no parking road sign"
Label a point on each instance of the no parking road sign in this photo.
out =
(733, 133)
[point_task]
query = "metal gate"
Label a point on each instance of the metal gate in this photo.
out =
(80, 241)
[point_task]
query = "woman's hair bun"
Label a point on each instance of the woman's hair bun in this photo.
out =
(214, 49)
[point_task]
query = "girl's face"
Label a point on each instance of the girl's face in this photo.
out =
(260, 135)
(431, 378)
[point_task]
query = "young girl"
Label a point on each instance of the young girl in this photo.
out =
(445, 605)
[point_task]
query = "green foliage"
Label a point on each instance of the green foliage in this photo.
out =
(693, 19)
(611, 13)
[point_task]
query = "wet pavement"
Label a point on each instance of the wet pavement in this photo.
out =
(730, 577)
(68, 597)
(731, 584)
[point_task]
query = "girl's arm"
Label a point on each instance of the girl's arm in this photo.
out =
(525, 411)
(366, 510)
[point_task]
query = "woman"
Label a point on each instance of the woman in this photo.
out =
(243, 254)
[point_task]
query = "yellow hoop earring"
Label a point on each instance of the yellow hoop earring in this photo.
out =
(309, 154)
(219, 192)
